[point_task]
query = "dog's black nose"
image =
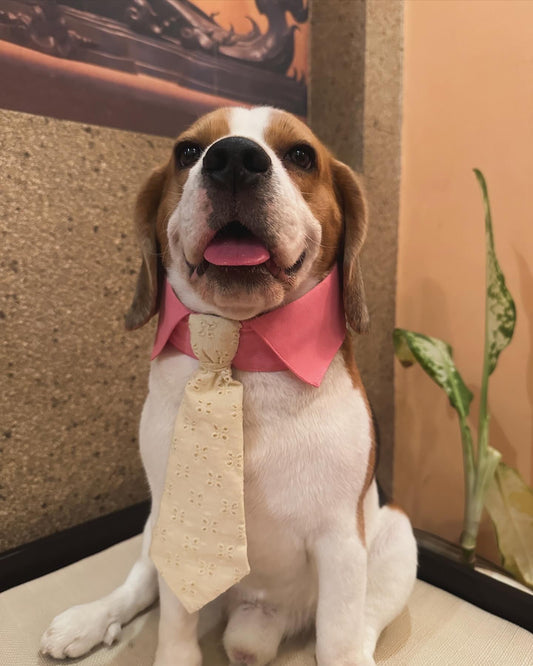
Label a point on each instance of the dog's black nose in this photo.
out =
(236, 163)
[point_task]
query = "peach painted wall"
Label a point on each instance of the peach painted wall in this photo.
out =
(468, 102)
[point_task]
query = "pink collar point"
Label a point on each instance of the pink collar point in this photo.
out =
(302, 337)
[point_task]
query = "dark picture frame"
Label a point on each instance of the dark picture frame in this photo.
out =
(147, 65)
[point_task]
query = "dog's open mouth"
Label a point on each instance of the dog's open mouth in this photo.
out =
(234, 245)
(236, 248)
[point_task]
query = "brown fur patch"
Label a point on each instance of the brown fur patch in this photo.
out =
(317, 187)
(335, 197)
(208, 128)
(156, 201)
(204, 132)
(354, 215)
(351, 366)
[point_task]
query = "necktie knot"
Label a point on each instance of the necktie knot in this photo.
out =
(214, 340)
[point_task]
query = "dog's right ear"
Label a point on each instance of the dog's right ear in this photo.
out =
(146, 299)
(352, 203)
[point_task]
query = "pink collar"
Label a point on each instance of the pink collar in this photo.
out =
(302, 337)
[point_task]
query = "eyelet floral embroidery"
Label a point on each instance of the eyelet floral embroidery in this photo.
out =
(200, 452)
(188, 587)
(209, 525)
(233, 460)
(204, 407)
(224, 358)
(182, 471)
(214, 479)
(178, 515)
(225, 385)
(229, 507)
(190, 543)
(206, 568)
(194, 385)
(199, 541)
(196, 498)
(220, 432)
(207, 329)
(225, 552)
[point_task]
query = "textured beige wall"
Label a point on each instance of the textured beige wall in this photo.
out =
(337, 85)
(71, 379)
(468, 102)
(350, 39)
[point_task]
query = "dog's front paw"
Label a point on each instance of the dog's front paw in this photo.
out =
(78, 629)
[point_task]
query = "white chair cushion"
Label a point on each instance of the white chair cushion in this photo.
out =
(436, 629)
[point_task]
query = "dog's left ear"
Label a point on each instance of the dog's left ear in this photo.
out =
(352, 204)
(146, 299)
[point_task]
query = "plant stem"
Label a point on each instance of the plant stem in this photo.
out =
(468, 453)
(487, 458)
(471, 508)
(475, 501)
(473, 511)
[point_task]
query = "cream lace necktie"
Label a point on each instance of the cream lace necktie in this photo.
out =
(199, 542)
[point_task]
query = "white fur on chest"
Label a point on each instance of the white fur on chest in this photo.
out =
(306, 454)
(304, 446)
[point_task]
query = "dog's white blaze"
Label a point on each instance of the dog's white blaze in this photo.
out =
(250, 123)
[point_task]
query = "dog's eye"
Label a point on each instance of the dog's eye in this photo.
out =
(302, 156)
(187, 154)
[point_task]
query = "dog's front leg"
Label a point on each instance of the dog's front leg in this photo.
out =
(77, 630)
(178, 640)
(341, 560)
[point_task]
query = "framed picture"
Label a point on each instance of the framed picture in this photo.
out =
(151, 65)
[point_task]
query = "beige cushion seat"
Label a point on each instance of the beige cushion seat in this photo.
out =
(436, 629)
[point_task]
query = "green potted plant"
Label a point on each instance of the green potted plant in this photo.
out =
(488, 482)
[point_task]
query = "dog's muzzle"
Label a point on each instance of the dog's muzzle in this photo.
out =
(236, 163)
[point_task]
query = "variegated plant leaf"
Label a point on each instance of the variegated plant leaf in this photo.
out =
(509, 502)
(501, 311)
(436, 358)
(401, 348)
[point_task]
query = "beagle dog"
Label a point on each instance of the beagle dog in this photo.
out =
(320, 547)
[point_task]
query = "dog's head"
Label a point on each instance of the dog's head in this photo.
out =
(250, 212)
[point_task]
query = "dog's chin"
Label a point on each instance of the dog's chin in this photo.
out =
(240, 292)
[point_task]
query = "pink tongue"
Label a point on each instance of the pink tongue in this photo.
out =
(236, 252)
